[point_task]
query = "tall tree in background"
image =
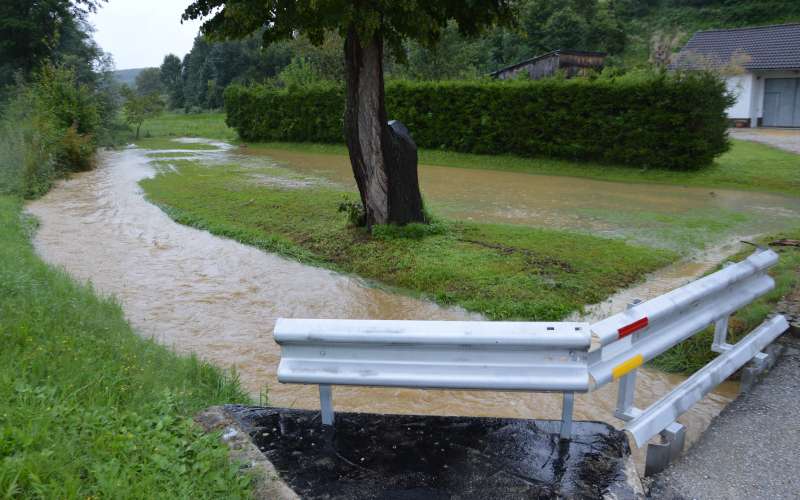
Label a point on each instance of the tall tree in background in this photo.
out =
(138, 107)
(32, 32)
(387, 180)
(148, 82)
(172, 80)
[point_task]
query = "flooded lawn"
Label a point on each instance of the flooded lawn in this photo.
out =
(220, 299)
(678, 218)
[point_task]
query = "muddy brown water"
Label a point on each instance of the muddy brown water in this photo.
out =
(651, 214)
(199, 293)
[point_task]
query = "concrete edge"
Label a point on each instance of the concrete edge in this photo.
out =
(632, 478)
(267, 483)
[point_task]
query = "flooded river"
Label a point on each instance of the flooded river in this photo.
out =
(199, 293)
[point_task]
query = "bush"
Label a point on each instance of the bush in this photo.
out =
(671, 121)
(47, 130)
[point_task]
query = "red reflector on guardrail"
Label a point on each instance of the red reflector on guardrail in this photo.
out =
(633, 327)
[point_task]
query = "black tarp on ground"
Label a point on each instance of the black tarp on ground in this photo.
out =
(427, 457)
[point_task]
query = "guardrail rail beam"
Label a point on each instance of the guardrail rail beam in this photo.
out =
(666, 410)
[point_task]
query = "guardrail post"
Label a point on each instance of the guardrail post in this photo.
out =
(567, 407)
(659, 455)
(720, 343)
(625, 392)
(761, 362)
(326, 404)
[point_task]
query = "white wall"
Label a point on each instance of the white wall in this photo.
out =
(742, 87)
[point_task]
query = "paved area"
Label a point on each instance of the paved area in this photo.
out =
(751, 449)
(787, 139)
(428, 457)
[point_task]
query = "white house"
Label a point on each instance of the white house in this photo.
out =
(761, 66)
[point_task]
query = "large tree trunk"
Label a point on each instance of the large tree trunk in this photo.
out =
(384, 160)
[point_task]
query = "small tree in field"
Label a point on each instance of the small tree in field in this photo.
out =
(385, 173)
(137, 108)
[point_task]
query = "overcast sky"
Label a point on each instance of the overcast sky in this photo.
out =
(139, 33)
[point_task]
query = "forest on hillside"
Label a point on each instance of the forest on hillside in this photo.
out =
(628, 30)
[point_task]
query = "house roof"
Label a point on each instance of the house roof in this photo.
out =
(544, 56)
(763, 47)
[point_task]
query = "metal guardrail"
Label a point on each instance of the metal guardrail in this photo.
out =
(502, 356)
(665, 411)
(543, 357)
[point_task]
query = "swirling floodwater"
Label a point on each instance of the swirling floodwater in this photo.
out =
(199, 293)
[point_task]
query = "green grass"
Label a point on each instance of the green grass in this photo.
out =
(166, 143)
(208, 125)
(502, 271)
(694, 353)
(747, 166)
(686, 232)
(88, 409)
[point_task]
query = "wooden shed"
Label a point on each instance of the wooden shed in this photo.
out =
(571, 62)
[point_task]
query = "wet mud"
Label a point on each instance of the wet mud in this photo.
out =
(198, 293)
(408, 456)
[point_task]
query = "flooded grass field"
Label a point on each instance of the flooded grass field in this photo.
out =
(683, 219)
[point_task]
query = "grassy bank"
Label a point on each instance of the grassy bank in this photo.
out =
(499, 270)
(88, 409)
(692, 354)
(748, 166)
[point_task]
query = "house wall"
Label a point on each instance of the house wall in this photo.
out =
(580, 64)
(546, 66)
(741, 86)
(757, 108)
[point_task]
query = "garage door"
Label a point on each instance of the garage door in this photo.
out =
(782, 102)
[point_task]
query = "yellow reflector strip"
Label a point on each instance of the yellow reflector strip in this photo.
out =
(622, 369)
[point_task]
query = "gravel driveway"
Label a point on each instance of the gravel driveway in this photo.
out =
(786, 139)
(750, 449)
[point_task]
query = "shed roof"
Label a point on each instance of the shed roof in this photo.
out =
(762, 47)
(545, 56)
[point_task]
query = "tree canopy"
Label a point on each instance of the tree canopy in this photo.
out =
(148, 82)
(394, 21)
(34, 32)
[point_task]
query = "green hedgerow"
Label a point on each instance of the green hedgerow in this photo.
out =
(662, 120)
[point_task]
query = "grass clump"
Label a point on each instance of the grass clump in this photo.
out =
(88, 409)
(695, 352)
(502, 271)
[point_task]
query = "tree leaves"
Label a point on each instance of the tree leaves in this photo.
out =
(392, 20)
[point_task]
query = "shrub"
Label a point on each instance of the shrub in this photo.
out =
(671, 121)
(47, 130)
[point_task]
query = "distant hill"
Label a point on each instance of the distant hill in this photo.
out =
(128, 76)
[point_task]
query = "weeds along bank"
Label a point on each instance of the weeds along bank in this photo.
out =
(644, 119)
(49, 126)
(88, 409)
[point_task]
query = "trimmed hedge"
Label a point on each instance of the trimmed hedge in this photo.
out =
(671, 121)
